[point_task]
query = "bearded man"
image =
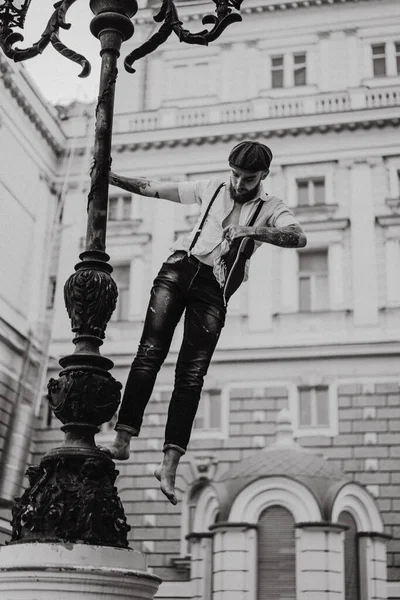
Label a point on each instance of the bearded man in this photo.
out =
(205, 268)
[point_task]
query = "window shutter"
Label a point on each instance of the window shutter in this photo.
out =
(351, 560)
(276, 555)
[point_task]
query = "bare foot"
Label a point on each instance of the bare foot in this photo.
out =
(120, 448)
(166, 473)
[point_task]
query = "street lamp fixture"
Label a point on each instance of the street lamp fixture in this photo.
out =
(13, 12)
(72, 495)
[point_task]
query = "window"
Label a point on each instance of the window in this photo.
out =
(311, 191)
(121, 276)
(119, 208)
(313, 281)
(351, 557)
(313, 407)
(299, 69)
(397, 50)
(288, 70)
(208, 417)
(379, 60)
(190, 80)
(276, 555)
(277, 71)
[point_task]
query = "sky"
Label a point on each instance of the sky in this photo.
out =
(56, 76)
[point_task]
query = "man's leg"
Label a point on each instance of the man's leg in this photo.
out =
(202, 329)
(164, 311)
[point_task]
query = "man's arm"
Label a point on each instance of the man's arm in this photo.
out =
(289, 236)
(146, 187)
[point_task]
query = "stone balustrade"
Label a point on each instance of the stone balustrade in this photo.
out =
(259, 108)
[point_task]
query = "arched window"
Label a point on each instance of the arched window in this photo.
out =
(276, 555)
(351, 557)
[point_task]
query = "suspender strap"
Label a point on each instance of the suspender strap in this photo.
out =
(196, 237)
(255, 214)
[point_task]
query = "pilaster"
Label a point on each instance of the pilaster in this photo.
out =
(363, 243)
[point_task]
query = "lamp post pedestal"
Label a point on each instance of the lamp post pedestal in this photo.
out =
(41, 571)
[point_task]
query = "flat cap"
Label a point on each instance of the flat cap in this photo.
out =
(250, 156)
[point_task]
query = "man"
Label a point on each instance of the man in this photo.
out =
(192, 280)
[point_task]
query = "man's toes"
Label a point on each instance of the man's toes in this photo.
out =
(170, 495)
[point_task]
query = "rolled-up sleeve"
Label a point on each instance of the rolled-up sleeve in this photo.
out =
(193, 192)
(281, 216)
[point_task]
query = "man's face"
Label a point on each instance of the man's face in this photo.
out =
(245, 185)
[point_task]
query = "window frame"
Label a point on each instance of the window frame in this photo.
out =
(379, 57)
(330, 430)
(223, 431)
(127, 288)
(312, 276)
(120, 201)
(314, 409)
(391, 59)
(311, 181)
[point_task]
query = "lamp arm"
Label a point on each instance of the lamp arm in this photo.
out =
(50, 36)
(168, 14)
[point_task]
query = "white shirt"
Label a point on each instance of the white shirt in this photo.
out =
(273, 213)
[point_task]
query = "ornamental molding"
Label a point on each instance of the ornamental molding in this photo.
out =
(258, 9)
(27, 108)
(210, 139)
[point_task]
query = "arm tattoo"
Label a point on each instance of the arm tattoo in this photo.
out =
(137, 185)
(291, 236)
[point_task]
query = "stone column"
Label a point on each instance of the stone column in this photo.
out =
(320, 561)
(202, 565)
(235, 563)
(373, 578)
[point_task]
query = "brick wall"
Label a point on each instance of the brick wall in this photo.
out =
(367, 449)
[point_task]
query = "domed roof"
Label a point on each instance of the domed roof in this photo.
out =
(284, 458)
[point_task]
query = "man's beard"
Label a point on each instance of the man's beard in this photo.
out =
(243, 197)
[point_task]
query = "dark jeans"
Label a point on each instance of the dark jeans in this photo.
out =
(182, 283)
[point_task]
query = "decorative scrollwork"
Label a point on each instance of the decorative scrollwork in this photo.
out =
(90, 297)
(50, 36)
(84, 397)
(168, 16)
(71, 500)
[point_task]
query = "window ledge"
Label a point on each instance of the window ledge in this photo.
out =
(393, 204)
(316, 211)
(182, 563)
(288, 92)
(130, 225)
(389, 220)
(328, 431)
(206, 434)
(384, 81)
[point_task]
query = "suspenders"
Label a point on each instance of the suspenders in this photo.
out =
(200, 227)
(198, 232)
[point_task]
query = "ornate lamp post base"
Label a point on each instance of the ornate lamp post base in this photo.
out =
(71, 571)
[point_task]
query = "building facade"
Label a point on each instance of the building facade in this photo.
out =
(314, 331)
(32, 142)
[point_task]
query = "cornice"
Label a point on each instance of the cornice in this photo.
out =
(210, 139)
(274, 6)
(27, 108)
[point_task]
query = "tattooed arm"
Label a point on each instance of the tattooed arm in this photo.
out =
(289, 236)
(146, 187)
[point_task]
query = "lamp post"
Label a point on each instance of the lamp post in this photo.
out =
(72, 497)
